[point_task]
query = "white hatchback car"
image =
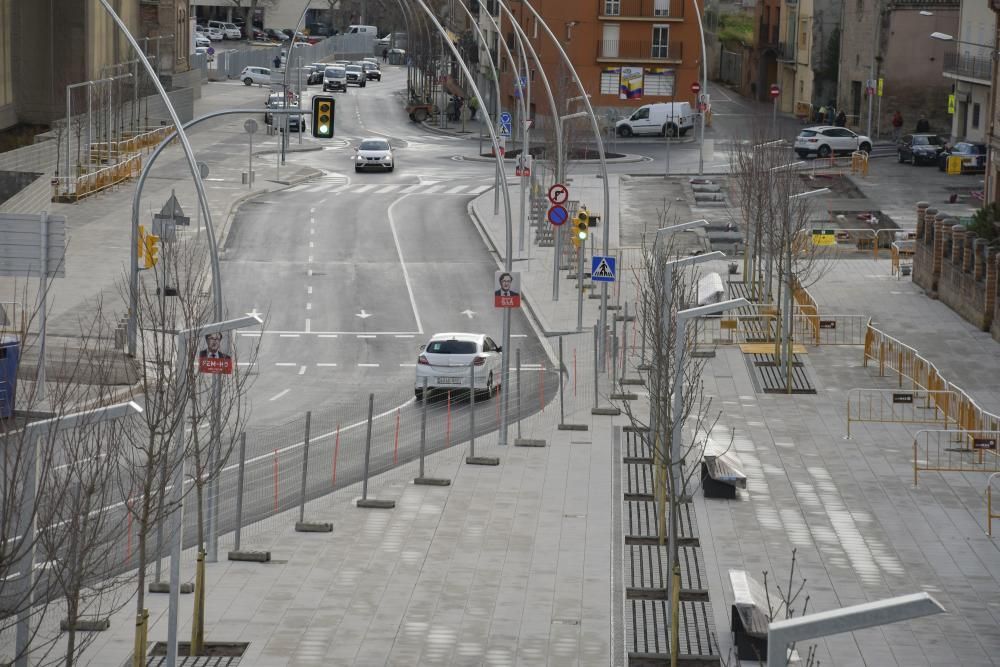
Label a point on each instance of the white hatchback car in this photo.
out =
(259, 75)
(827, 140)
(445, 362)
(374, 153)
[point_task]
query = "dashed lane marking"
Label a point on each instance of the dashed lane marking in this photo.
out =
(279, 395)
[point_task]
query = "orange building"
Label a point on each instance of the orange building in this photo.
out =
(654, 43)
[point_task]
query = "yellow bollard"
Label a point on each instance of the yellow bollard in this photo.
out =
(139, 648)
(198, 622)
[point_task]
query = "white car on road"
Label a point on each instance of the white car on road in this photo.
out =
(374, 153)
(445, 363)
(827, 140)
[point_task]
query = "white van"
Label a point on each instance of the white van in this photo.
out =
(228, 30)
(664, 119)
(363, 30)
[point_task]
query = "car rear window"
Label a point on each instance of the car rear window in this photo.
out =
(352, 68)
(452, 347)
(807, 133)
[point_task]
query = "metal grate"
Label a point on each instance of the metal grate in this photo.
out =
(647, 574)
(639, 482)
(637, 448)
(640, 523)
(646, 631)
(772, 376)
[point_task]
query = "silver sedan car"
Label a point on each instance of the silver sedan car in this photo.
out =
(374, 153)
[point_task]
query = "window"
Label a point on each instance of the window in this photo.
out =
(610, 81)
(975, 115)
(609, 41)
(661, 38)
(452, 347)
(661, 7)
(641, 114)
(612, 7)
(658, 82)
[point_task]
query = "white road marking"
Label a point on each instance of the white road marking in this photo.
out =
(412, 188)
(433, 188)
(316, 188)
(480, 188)
(289, 335)
(404, 335)
(468, 312)
(309, 272)
(519, 335)
(311, 231)
(402, 264)
(279, 395)
(309, 289)
(534, 366)
(310, 259)
(407, 365)
(366, 335)
(364, 188)
(309, 306)
(285, 363)
(363, 315)
(312, 221)
(249, 333)
(246, 363)
(311, 243)
(454, 190)
(386, 188)
(308, 325)
(368, 365)
(302, 370)
(328, 335)
(312, 210)
(324, 365)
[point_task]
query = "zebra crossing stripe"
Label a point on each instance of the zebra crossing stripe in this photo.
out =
(363, 188)
(412, 188)
(480, 188)
(386, 188)
(317, 188)
(433, 188)
(455, 190)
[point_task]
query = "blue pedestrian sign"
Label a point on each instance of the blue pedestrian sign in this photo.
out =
(602, 269)
(505, 124)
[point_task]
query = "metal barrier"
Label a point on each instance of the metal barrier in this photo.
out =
(74, 189)
(901, 257)
(955, 451)
(831, 329)
(895, 355)
(859, 163)
(889, 406)
(989, 504)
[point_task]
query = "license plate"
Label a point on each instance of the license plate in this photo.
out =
(448, 380)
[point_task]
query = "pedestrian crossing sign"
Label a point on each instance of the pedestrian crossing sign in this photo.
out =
(602, 269)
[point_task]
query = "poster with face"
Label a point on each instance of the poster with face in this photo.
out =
(507, 290)
(213, 358)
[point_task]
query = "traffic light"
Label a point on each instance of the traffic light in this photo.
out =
(581, 227)
(151, 248)
(322, 116)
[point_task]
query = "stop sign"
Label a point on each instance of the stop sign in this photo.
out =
(775, 90)
(695, 87)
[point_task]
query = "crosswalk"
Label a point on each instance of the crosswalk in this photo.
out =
(333, 184)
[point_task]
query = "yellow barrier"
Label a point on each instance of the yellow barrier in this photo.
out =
(859, 163)
(894, 355)
(989, 504)
(871, 405)
(74, 189)
(955, 451)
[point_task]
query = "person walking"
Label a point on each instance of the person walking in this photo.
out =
(897, 126)
(473, 108)
(385, 55)
(841, 119)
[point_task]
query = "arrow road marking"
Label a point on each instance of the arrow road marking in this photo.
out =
(468, 313)
(363, 315)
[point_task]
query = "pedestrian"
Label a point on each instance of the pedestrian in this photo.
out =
(831, 111)
(277, 62)
(473, 108)
(897, 126)
(923, 126)
(385, 55)
(821, 114)
(841, 119)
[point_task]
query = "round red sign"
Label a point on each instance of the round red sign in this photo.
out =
(695, 87)
(775, 90)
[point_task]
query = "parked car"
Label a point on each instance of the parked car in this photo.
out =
(299, 36)
(214, 34)
(827, 140)
(372, 72)
(228, 30)
(276, 35)
(201, 40)
(258, 35)
(973, 157)
(334, 79)
(920, 148)
(445, 361)
(374, 153)
(356, 75)
(259, 75)
(665, 119)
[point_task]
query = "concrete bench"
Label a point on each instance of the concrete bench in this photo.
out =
(750, 616)
(721, 475)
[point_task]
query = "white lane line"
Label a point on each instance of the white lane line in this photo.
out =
(312, 210)
(455, 190)
(302, 370)
(246, 363)
(328, 335)
(433, 188)
(285, 363)
(412, 188)
(312, 244)
(249, 333)
(323, 365)
(312, 221)
(308, 325)
(519, 335)
(404, 335)
(310, 259)
(309, 289)
(366, 335)
(402, 263)
(364, 188)
(311, 231)
(533, 366)
(279, 395)
(309, 272)
(340, 189)
(289, 335)
(309, 306)
(407, 365)
(368, 365)
(386, 188)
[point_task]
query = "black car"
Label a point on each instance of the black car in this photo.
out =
(276, 35)
(920, 148)
(372, 72)
(973, 157)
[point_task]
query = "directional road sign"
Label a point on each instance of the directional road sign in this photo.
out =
(558, 193)
(558, 215)
(602, 269)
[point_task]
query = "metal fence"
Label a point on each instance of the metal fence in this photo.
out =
(228, 63)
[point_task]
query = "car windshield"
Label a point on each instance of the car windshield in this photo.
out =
(353, 68)
(928, 140)
(374, 145)
(335, 71)
(452, 347)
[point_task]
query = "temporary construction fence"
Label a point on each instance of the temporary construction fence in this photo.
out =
(891, 406)
(228, 63)
(955, 451)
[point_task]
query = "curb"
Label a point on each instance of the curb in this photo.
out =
(627, 159)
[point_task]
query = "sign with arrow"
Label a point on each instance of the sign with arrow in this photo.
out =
(558, 194)
(602, 269)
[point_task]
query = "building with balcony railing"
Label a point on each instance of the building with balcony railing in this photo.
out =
(968, 66)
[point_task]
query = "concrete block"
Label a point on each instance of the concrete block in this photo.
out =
(431, 481)
(164, 587)
(610, 412)
(482, 460)
(528, 442)
(250, 556)
(96, 625)
(308, 527)
(573, 427)
(624, 397)
(372, 503)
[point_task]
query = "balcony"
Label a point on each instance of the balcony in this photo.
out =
(786, 52)
(640, 9)
(635, 50)
(768, 35)
(968, 67)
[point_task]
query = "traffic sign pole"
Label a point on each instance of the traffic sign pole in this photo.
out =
(775, 94)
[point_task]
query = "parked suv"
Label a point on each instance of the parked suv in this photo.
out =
(356, 75)
(259, 75)
(827, 140)
(335, 78)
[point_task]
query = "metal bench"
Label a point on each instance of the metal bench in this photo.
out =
(750, 618)
(721, 475)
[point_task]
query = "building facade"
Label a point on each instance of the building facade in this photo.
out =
(889, 40)
(968, 66)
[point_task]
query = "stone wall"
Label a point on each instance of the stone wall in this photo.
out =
(958, 268)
